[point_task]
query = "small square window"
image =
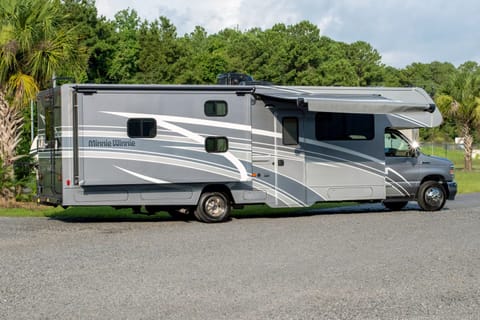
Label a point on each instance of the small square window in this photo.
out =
(216, 144)
(216, 108)
(141, 128)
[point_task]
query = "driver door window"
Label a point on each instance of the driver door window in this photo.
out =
(396, 145)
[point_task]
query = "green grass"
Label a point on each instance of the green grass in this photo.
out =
(103, 213)
(28, 212)
(468, 182)
(456, 156)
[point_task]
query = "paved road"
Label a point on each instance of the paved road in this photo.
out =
(365, 265)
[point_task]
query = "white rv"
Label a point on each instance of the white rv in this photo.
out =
(206, 149)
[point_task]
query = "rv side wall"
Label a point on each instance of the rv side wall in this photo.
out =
(158, 147)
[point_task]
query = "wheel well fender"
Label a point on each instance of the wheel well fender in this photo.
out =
(219, 188)
(437, 178)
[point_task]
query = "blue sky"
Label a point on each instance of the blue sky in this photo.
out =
(403, 31)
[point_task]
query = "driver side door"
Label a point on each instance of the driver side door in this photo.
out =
(401, 172)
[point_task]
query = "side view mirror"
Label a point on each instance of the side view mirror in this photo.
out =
(414, 152)
(414, 149)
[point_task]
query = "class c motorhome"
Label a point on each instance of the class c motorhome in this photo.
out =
(206, 149)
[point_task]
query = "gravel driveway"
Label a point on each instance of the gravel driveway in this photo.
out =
(350, 263)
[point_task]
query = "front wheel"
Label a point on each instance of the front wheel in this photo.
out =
(431, 196)
(213, 207)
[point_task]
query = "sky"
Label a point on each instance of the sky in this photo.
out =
(402, 31)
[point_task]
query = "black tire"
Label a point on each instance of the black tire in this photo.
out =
(395, 205)
(213, 207)
(431, 196)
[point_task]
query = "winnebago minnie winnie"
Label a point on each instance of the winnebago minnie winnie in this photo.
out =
(204, 149)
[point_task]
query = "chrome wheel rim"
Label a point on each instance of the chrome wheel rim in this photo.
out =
(215, 206)
(434, 196)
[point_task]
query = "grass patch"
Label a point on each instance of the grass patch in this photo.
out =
(468, 182)
(27, 209)
(25, 212)
(104, 214)
(456, 156)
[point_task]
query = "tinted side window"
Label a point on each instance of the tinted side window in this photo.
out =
(290, 131)
(396, 145)
(344, 126)
(141, 128)
(216, 144)
(216, 108)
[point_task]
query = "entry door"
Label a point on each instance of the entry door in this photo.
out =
(289, 158)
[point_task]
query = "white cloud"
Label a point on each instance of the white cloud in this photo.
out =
(108, 8)
(213, 15)
(328, 22)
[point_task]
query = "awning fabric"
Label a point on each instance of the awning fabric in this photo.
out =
(414, 103)
(373, 104)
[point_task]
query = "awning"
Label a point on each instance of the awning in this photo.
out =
(414, 103)
(348, 103)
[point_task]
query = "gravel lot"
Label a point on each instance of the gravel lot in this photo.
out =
(351, 263)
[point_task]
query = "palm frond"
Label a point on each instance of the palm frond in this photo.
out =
(22, 88)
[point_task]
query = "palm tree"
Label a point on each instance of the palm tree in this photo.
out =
(33, 45)
(460, 99)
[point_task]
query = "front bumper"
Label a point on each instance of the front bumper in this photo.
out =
(451, 189)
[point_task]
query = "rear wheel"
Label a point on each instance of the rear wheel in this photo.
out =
(431, 196)
(395, 205)
(213, 207)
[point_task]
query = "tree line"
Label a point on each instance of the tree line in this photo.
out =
(43, 38)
